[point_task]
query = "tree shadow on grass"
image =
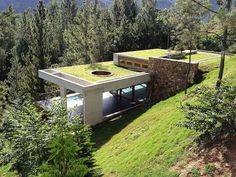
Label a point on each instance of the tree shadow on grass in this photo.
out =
(200, 76)
(103, 132)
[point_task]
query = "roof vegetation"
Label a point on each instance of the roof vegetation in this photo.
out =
(147, 53)
(162, 52)
(84, 71)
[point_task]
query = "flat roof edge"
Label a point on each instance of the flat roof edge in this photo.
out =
(174, 60)
(46, 75)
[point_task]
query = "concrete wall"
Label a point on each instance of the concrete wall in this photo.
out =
(169, 77)
(138, 64)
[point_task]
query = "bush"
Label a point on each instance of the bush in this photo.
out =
(195, 172)
(5, 171)
(212, 114)
(31, 140)
(71, 148)
(210, 169)
(24, 137)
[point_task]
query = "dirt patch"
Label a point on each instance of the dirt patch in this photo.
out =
(220, 156)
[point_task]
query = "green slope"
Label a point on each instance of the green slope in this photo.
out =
(146, 142)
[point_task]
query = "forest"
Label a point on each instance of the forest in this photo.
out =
(36, 142)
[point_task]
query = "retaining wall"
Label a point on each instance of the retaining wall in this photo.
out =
(169, 77)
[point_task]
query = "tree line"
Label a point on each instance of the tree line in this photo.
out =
(63, 34)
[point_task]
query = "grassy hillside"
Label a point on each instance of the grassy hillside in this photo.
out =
(146, 142)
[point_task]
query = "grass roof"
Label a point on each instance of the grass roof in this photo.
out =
(147, 53)
(84, 71)
(162, 52)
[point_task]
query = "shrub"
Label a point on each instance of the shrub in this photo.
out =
(25, 137)
(71, 148)
(210, 169)
(212, 114)
(195, 172)
(5, 171)
(32, 140)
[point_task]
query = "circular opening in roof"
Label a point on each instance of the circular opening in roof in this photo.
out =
(102, 73)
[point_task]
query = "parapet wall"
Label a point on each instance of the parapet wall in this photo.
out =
(138, 64)
(169, 77)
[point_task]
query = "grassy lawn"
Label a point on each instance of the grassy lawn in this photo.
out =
(147, 142)
(202, 56)
(84, 71)
(147, 53)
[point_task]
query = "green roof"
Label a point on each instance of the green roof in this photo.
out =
(84, 71)
(147, 53)
(162, 52)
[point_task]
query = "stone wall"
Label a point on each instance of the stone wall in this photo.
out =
(169, 77)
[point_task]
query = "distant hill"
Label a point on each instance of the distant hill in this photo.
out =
(21, 5)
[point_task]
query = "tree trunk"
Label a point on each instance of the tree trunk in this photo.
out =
(224, 46)
(189, 68)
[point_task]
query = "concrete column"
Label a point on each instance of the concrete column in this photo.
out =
(63, 94)
(93, 106)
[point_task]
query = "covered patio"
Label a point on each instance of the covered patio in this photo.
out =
(92, 87)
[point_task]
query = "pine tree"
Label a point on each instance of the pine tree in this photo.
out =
(21, 79)
(124, 9)
(98, 33)
(129, 9)
(77, 38)
(40, 17)
(69, 12)
(3, 97)
(23, 37)
(146, 25)
(124, 13)
(116, 12)
(55, 31)
(8, 29)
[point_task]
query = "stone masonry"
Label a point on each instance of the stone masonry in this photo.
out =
(169, 77)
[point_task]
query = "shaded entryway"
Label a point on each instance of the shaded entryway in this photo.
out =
(112, 103)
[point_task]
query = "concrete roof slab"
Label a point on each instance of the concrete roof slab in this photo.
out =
(78, 84)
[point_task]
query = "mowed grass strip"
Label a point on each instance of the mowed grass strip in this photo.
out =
(146, 141)
(84, 71)
(202, 56)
